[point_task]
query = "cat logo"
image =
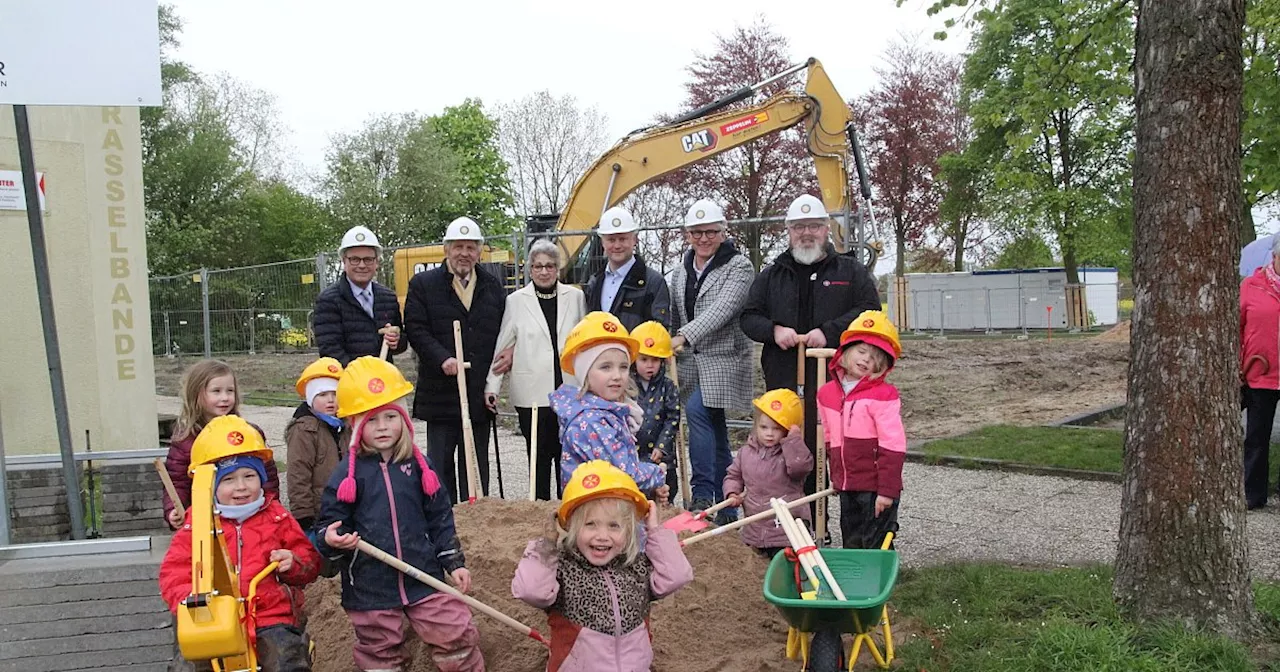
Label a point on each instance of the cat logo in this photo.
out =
(702, 141)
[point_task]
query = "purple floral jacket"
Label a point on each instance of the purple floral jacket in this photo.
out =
(594, 429)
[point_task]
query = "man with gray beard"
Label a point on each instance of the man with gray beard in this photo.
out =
(809, 294)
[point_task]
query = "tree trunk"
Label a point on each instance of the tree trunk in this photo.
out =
(1182, 552)
(962, 235)
(900, 265)
(1248, 233)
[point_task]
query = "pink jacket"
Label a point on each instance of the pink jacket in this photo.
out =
(776, 471)
(599, 616)
(1259, 332)
(866, 443)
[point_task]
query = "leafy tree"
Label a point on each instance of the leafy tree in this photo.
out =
(1260, 134)
(289, 224)
(1027, 250)
(761, 178)
(472, 136)
(907, 130)
(396, 177)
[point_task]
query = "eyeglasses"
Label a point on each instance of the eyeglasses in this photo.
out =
(544, 267)
(705, 233)
(361, 261)
(806, 226)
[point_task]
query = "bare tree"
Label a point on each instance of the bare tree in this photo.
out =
(548, 143)
(262, 139)
(1183, 550)
(659, 205)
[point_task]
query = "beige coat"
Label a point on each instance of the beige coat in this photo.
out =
(523, 325)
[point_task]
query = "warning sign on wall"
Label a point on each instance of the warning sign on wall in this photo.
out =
(12, 195)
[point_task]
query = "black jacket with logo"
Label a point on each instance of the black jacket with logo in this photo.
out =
(643, 296)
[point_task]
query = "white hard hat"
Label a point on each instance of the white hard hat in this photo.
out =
(616, 220)
(463, 228)
(704, 211)
(359, 236)
(806, 207)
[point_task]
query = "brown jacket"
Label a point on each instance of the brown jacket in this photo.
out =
(313, 449)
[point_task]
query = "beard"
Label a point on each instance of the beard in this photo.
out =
(808, 254)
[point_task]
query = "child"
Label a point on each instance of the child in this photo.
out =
(594, 580)
(384, 492)
(862, 421)
(257, 531)
(598, 421)
(773, 463)
(208, 391)
(659, 398)
(313, 438)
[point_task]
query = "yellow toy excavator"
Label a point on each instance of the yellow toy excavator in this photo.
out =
(213, 621)
(649, 153)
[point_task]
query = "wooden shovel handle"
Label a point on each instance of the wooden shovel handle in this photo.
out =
(168, 486)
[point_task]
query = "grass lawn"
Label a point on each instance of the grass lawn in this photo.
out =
(1066, 447)
(998, 618)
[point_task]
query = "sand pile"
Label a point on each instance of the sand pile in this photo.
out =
(1116, 334)
(720, 622)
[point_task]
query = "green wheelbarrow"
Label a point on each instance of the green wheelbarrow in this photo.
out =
(866, 577)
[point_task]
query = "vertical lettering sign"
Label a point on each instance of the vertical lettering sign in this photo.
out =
(117, 222)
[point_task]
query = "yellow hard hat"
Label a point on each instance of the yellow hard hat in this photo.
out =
(654, 339)
(597, 479)
(325, 367)
(367, 383)
(225, 436)
(782, 406)
(873, 327)
(596, 328)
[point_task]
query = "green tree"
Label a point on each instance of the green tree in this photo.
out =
(1027, 250)
(1260, 134)
(395, 176)
(472, 136)
(289, 224)
(1053, 78)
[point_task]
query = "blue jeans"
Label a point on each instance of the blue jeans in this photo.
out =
(708, 448)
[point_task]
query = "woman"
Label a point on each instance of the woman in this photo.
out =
(1259, 371)
(708, 291)
(537, 319)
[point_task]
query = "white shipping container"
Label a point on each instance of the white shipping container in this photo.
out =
(1003, 299)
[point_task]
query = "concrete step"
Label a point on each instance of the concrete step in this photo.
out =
(140, 667)
(69, 627)
(89, 645)
(80, 576)
(41, 613)
(93, 660)
(23, 597)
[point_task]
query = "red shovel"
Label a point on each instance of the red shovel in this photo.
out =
(693, 521)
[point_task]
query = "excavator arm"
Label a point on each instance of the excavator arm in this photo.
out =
(648, 154)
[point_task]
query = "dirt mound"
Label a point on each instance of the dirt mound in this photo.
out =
(720, 622)
(1116, 334)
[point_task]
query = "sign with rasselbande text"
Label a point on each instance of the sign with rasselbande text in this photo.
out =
(12, 195)
(80, 52)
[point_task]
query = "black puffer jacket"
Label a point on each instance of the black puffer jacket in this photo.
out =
(404, 522)
(429, 310)
(842, 288)
(643, 296)
(344, 331)
(661, 404)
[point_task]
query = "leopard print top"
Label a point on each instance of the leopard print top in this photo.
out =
(586, 599)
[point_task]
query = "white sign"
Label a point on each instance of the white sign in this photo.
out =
(80, 52)
(12, 196)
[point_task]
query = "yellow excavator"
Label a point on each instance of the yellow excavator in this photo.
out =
(649, 153)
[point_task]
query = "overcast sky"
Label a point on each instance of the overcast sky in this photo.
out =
(332, 65)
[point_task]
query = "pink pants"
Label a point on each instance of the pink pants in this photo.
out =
(442, 621)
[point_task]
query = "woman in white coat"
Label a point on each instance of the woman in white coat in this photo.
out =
(535, 323)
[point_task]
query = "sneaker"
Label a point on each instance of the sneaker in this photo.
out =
(701, 505)
(726, 516)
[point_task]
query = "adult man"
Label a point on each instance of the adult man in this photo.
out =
(625, 287)
(349, 313)
(809, 294)
(708, 290)
(456, 290)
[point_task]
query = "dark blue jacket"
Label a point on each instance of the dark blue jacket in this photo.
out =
(344, 331)
(661, 404)
(423, 534)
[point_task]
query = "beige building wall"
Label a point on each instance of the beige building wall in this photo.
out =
(96, 237)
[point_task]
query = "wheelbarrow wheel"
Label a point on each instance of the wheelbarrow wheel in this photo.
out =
(826, 652)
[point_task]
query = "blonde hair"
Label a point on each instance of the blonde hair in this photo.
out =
(195, 379)
(877, 355)
(616, 508)
(403, 447)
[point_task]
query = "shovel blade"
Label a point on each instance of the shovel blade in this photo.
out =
(685, 522)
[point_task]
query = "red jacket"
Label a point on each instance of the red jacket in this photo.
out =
(267, 530)
(866, 443)
(179, 461)
(1259, 332)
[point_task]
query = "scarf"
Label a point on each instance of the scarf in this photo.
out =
(1272, 276)
(465, 294)
(328, 420)
(241, 512)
